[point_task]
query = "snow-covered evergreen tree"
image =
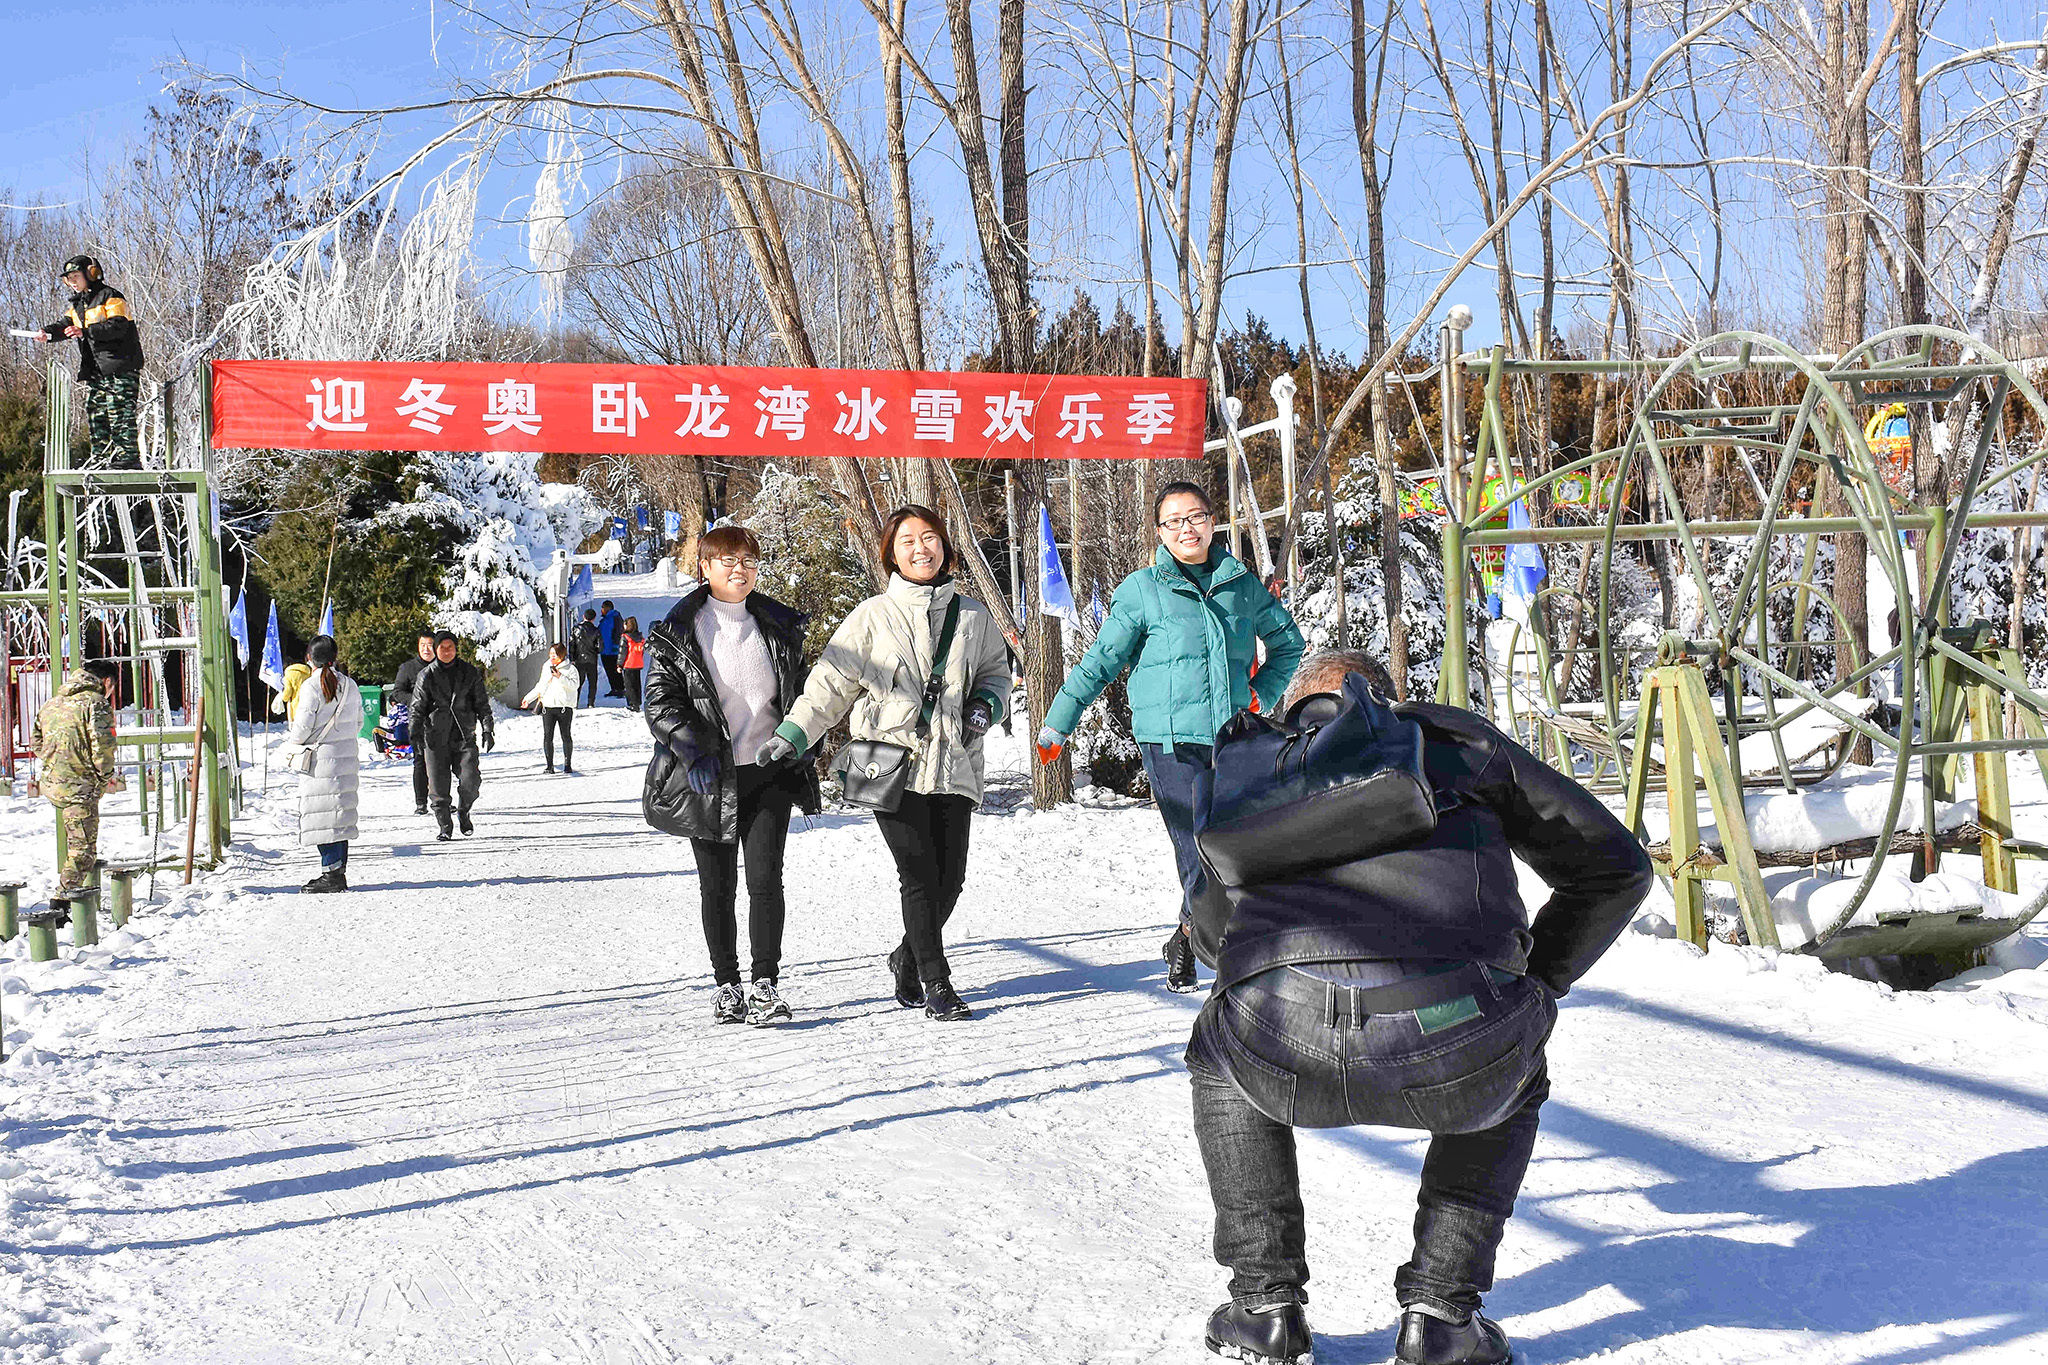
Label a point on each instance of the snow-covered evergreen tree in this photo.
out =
(509, 524)
(1422, 581)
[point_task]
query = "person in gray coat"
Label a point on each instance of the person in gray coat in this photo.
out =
(327, 715)
(873, 674)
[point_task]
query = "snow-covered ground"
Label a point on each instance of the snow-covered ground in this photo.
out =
(475, 1110)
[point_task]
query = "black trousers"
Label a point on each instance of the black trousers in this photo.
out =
(766, 797)
(419, 772)
(586, 672)
(456, 764)
(553, 719)
(632, 688)
(611, 675)
(928, 837)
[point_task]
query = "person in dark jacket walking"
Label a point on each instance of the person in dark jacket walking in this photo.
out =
(1189, 627)
(1410, 990)
(401, 695)
(723, 668)
(109, 361)
(632, 660)
(584, 645)
(608, 630)
(451, 708)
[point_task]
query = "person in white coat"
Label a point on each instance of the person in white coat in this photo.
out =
(555, 697)
(326, 716)
(873, 674)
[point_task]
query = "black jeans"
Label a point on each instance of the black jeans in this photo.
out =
(1171, 770)
(1284, 1048)
(928, 837)
(632, 688)
(553, 719)
(766, 797)
(616, 686)
(586, 678)
(454, 764)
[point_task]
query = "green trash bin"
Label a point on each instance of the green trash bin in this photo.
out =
(373, 707)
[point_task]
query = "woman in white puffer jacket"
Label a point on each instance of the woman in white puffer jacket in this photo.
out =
(326, 716)
(555, 697)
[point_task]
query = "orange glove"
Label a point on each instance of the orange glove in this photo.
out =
(1050, 743)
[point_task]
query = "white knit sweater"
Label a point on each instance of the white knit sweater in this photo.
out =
(743, 673)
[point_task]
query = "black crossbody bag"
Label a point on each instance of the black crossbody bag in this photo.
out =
(873, 773)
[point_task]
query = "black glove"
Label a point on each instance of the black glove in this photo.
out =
(490, 741)
(978, 716)
(776, 752)
(704, 774)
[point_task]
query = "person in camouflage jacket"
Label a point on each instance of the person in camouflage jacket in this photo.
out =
(74, 743)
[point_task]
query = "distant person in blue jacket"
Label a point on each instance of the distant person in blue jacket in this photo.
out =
(609, 626)
(1189, 628)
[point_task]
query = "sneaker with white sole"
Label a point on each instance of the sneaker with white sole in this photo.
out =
(765, 1004)
(731, 1005)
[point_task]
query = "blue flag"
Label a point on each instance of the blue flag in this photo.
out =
(272, 668)
(1055, 596)
(672, 525)
(618, 528)
(238, 625)
(1524, 572)
(641, 514)
(1095, 611)
(327, 619)
(584, 586)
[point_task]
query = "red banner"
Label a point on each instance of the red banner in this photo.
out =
(702, 410)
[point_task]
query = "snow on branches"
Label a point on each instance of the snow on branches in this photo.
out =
(509, 524)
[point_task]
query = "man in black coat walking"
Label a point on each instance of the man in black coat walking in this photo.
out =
(1407, 989)
(583, 652)
(450, 708)
(401, 695)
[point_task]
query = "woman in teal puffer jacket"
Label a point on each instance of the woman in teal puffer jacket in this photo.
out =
(1189, 628)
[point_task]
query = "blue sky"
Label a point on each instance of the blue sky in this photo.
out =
(79, 76)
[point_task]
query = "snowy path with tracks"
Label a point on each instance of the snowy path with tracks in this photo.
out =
(476, 1111)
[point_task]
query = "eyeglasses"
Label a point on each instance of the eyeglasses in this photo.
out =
(1193, 521)
(735, 562)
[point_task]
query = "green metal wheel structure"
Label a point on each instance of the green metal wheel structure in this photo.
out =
(1767, 643)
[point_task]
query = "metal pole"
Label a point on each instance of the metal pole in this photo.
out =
(1283, 389)
(1231, 408)
(1016, 568)
(1074, 533)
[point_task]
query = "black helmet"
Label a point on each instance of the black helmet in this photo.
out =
(84, 265)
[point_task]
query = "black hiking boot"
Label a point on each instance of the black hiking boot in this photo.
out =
(731, 1005)
(444, 836)
(1269, 1334)
(467, 827)
(1429, 1337)
(419, 810)
(941, 1001)
(332, 880)
(1179, 956)
(909, 990)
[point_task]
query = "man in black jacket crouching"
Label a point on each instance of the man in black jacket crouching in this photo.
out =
(1410, 990)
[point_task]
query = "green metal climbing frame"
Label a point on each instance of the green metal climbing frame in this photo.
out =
(137, 552)
(1788, 425)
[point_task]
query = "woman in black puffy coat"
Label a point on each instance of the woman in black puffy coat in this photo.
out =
(722, 670)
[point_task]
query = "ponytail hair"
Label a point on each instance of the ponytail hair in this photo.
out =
(321, 654)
